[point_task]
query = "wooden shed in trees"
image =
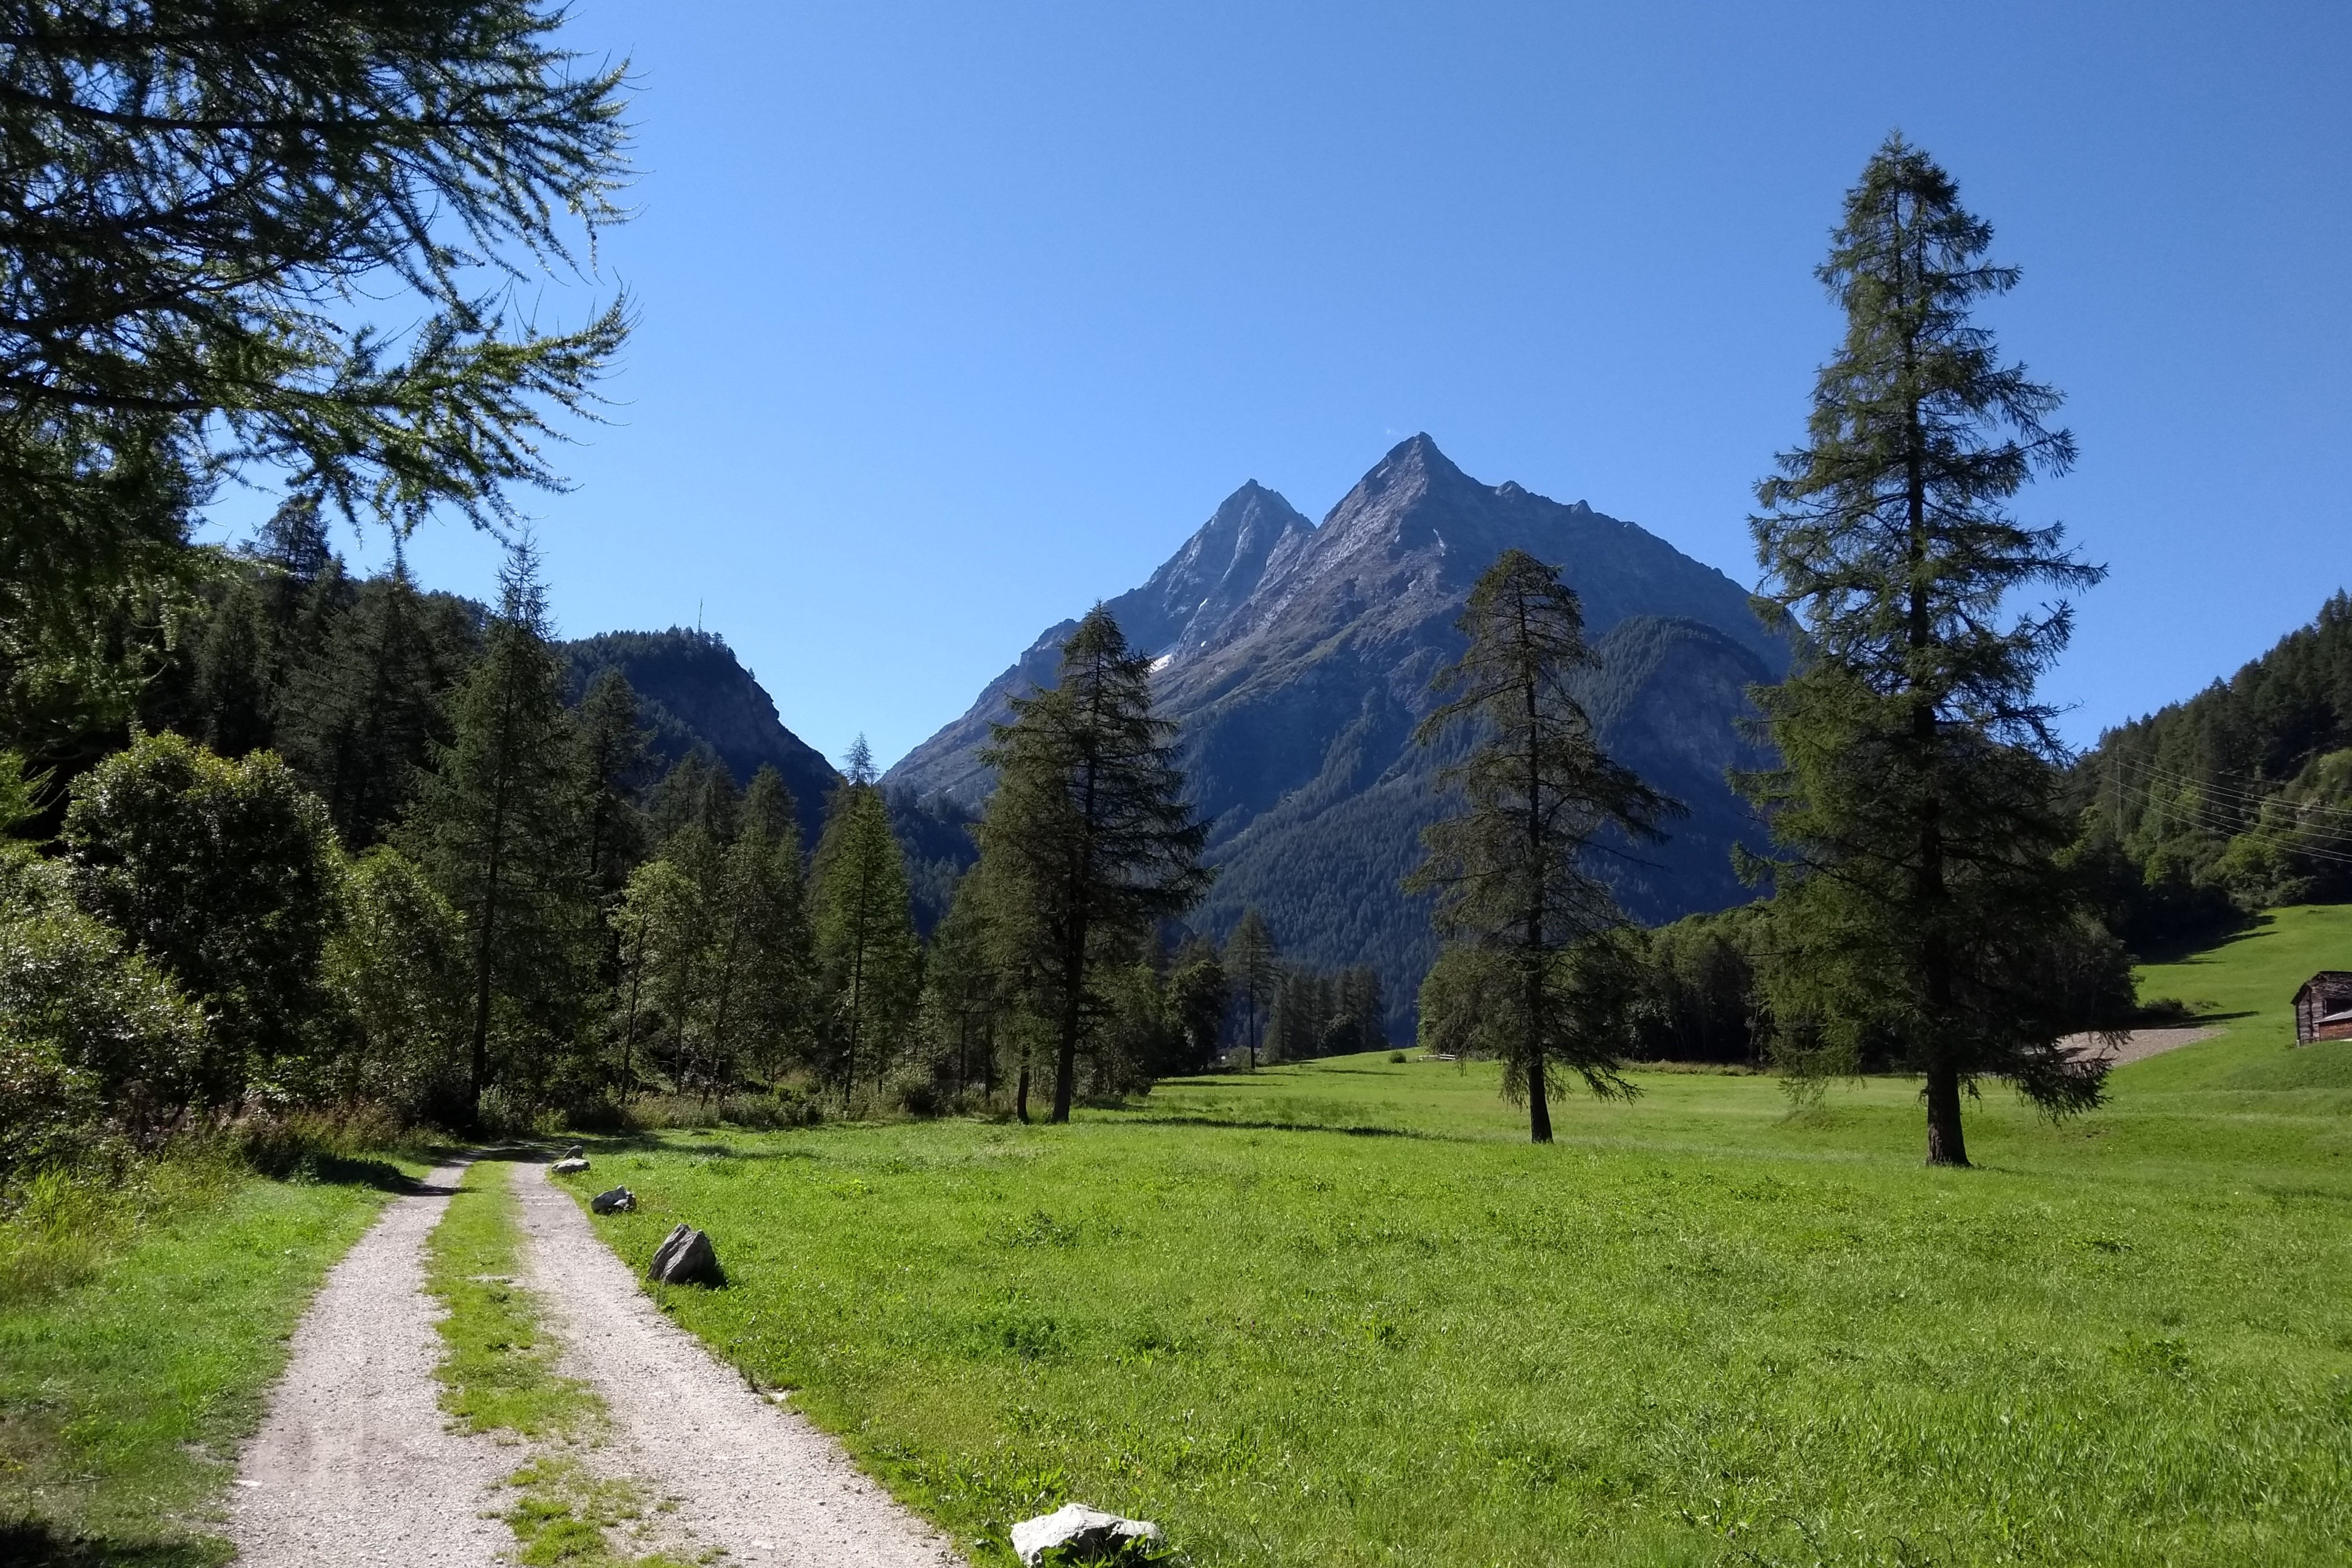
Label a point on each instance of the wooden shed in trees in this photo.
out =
(2323, 1007)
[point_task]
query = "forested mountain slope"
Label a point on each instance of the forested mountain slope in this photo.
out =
(1297, 661)
(2243, 790)
(691, 688)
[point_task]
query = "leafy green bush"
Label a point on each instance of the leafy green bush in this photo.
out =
(92, 1036)
(226, 874)
(396, 968)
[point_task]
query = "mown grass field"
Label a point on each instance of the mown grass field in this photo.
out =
(123, 1396)
(1341, 1313)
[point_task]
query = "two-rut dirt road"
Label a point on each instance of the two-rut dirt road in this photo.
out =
(356, 1465)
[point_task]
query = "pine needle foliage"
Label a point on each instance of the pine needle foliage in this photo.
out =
(1088, 835)
(1253, 960)
(866, 957)
(1511, 868)
(497, 826)
(200, 200)
(1915, 812)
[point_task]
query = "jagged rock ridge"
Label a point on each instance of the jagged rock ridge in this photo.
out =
(1297, 661)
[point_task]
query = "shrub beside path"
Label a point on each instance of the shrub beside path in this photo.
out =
(758, 1479)
(354, 1464)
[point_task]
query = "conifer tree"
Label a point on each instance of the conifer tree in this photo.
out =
(1088, 829)
(1539, 799)
(614, 762)
(964, 996)
(496, 827)
(1199, 991)
(360, 720)
(196, 200)
(760, 962)
(1915, 812)
(1253, 964)
(866, 950)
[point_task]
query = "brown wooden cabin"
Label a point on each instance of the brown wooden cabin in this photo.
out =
(2323, 1007)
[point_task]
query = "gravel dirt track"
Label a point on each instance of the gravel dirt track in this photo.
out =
(354, 1464)
(758, 1479)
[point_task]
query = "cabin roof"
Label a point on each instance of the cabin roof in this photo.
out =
(2326, 980)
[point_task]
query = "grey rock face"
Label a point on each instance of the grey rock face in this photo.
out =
(571, 1167)
(685, 1257)
(1083, 1534)
(1297, 664)
(619, 1200)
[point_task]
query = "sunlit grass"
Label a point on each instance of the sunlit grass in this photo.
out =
(127, 1382)
(1341, 1313)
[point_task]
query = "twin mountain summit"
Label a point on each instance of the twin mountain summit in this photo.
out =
(1296, 660)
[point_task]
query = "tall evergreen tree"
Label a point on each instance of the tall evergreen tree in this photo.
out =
(496, 827)
(1088, 828)
(196, 199)
(615, 760)
(964, 1000)
(1199, 991)
(865, 951)
(761, 968)
(359, 722)
(1915, 812)
(1253, 964)
(1540, 799)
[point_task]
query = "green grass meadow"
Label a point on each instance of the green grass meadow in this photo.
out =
(123, 1396)
(1342, 1313)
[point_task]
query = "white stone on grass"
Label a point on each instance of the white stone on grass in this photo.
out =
(1083, 1534)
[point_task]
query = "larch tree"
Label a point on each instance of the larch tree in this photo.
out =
(1254, 968)
(760, 959)
(1539, 799)
(866, 950)
(1089, 832)
(496, 825)
(199, 204)
(1915, 812)
(963, 993)
(362, 719)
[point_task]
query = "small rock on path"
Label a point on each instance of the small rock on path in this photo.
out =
(761, 1481)
(354, 1465)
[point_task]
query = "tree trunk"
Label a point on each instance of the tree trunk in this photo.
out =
(1067, 1057)
(1946, 1143)
(1021, 1093)
(1538, 1101)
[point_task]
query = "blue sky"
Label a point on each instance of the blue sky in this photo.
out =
(956, 317)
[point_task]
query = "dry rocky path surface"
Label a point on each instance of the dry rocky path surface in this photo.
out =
(355, 1464)
(2140, 1043)
(760, 1481)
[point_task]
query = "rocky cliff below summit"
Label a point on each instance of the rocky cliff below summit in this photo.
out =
(1298, 660)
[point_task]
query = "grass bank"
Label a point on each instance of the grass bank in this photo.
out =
(138, 1332)
(1340, 1313)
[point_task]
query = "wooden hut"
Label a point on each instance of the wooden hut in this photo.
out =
(2323, 1007)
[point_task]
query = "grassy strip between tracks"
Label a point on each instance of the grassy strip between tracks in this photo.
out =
(498, 1374)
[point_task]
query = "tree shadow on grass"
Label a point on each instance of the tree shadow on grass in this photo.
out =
(35, 1543)
(1259, 1124)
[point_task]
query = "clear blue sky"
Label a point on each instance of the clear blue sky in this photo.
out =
(957, 317)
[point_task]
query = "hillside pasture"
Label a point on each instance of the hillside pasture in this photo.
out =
(1340, 1312)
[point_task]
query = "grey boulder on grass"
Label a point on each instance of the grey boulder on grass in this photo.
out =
(572, 1167)
(620, 1200)
(1077, 1533)
(685, 1257)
